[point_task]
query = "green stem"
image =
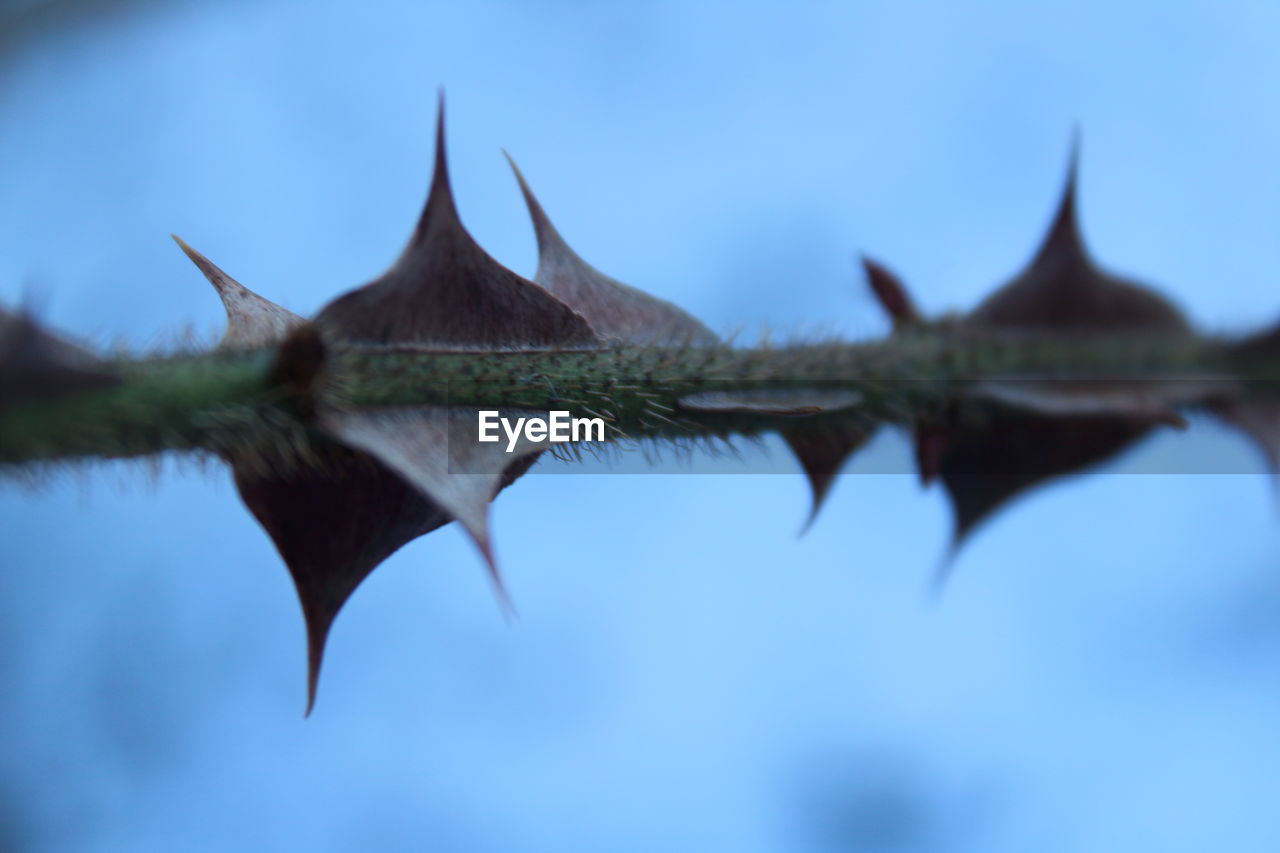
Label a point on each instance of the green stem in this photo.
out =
(221, 401)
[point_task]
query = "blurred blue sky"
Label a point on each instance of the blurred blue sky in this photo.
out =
(686, 675)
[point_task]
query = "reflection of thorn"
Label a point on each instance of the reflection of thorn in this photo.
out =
(808, 522)
(819, 489)
(930, 446)
(505, 603)
(942, 574)
(315, 658)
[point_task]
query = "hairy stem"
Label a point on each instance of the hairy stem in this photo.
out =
(222, 401)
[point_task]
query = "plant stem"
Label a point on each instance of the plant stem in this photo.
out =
(219, 401)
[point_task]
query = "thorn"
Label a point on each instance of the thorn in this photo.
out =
(820, 484)
(317, 635)
(482, 541)
(892, 294)
(942, 574)
(543, 230)
(223, 283)
(440, 211)
(815, 507)
(1064, 233)
(930, 445)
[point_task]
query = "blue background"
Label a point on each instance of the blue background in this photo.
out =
(685, 675)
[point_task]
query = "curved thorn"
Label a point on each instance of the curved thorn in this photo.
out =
(546, 234)
(891, 293)
(485, 546)
(942, 574)
(251, 319)
(223, 283)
